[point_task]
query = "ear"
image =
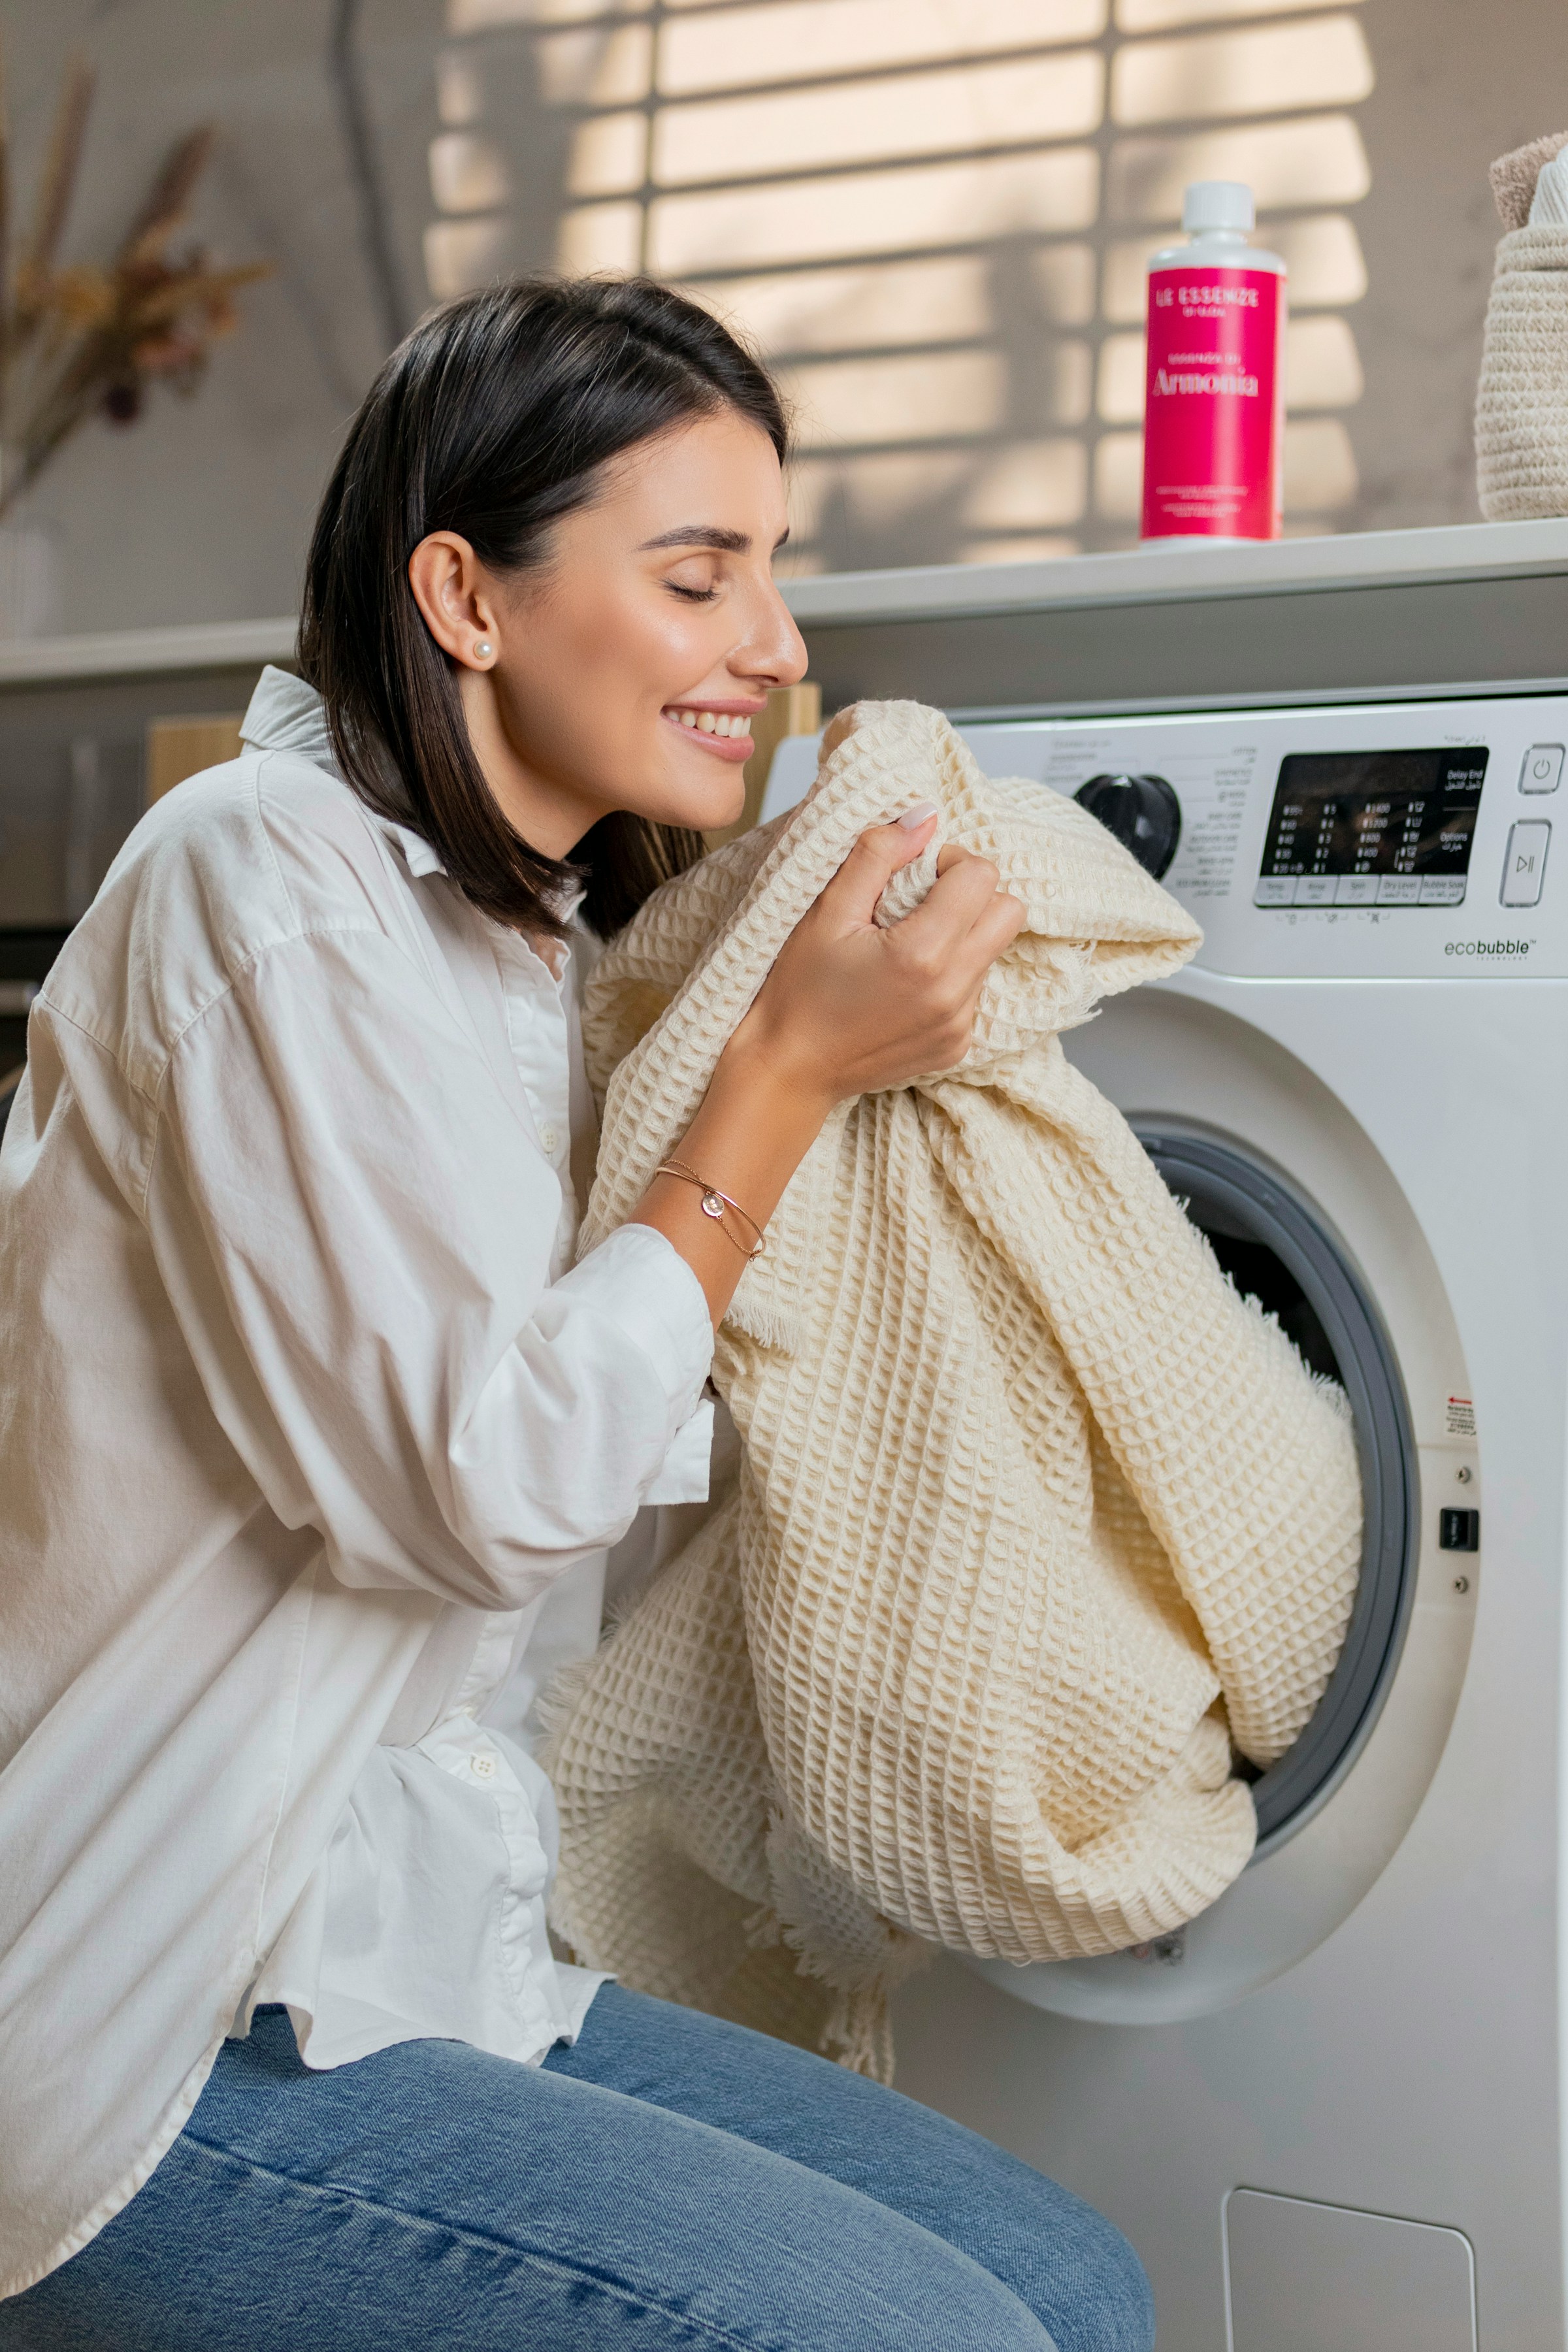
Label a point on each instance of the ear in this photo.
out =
(450, 591)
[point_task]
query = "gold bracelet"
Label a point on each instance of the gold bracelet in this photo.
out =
(714, 1204)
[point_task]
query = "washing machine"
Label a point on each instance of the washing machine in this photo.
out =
(1329, 2114)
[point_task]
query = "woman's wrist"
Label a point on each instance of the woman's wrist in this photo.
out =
(753, 1129)
(784, 1086)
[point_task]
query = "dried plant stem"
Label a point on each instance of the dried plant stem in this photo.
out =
(77, 341)
(60, 168)
(167, 200)
(4, 227)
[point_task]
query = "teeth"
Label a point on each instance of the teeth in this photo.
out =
(711, 723)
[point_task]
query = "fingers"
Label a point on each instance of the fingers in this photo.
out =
(965, 890)
(994, 931)
(967, 882)
(996, 926)
(876, 857)
(969, 959)
(965, 922)
(864, 1007)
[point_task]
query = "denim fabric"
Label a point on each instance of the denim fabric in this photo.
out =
(671, 2182)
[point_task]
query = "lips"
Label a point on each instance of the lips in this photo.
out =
(726, 733)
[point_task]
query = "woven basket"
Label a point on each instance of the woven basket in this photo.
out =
(1522, 403)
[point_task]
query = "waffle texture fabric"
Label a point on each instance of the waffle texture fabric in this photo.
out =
(1033, 1513)
(1522, 400)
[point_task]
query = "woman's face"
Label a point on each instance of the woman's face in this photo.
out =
(622, 674)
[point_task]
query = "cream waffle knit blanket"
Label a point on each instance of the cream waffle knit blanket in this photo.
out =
(1034, 1513)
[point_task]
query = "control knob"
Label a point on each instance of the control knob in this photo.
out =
(1142, 812)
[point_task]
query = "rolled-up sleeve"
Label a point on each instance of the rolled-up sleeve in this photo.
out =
(354, 1223)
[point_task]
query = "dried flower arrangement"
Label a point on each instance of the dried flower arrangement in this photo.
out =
(84, 340)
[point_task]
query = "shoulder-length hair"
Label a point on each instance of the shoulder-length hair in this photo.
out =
(494, 419)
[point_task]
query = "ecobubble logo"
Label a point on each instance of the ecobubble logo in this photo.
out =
(1488, 947)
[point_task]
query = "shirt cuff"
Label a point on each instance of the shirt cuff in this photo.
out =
(640, 1281)
(684, 1478)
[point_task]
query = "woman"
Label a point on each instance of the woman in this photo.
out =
(314, 1440)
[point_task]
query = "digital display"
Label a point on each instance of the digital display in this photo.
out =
(1372, 828)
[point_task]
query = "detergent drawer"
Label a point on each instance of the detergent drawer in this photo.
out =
(1304, 2277)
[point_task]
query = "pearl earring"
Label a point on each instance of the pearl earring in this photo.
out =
(483, 650)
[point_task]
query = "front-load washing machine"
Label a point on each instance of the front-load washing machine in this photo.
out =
(1329, 2113)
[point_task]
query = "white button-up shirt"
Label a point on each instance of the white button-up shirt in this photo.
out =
(311, 1444)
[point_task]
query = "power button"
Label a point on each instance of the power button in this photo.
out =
(1542, 767)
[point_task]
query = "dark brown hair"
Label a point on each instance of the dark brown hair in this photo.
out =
(494, 419)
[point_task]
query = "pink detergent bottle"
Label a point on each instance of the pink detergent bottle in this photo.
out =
(1215, 399)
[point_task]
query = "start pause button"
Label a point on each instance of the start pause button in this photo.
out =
(1525, 864)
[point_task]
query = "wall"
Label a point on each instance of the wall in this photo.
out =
(199, 510)
(967, 370)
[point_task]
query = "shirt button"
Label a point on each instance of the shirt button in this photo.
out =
(548, 1137)
(483, 1766)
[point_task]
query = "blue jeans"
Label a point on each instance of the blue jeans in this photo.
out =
(671, 2182)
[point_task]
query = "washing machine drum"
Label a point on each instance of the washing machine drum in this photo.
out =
(1280, 1250)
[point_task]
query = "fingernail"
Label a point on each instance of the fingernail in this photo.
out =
(922, 813)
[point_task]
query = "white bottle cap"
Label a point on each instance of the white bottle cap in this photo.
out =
(1218, 204)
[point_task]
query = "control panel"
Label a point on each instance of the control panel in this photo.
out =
(1401, 840)
(1372, 829)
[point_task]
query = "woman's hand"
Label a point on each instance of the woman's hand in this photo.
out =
(851, 1009)
(848, 1009)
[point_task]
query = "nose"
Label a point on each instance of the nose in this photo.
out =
(772, 648)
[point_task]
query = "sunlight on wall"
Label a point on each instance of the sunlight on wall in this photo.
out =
(1278, 70)
(736, 47)
(934, 219)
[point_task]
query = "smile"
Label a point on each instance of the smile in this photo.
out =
(727, 732)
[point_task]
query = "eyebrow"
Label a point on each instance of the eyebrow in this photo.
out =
(698, 534)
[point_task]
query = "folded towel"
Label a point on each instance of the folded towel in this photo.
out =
(1513, 177)
(1521, 401)
(1034, 1513)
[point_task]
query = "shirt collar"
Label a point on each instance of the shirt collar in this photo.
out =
(287, 715)
(417, 853)
(422, 860)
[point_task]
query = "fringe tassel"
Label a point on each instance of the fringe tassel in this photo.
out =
(860, 2034)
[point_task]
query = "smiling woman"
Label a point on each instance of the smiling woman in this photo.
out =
(292, 1186)
(606, 530)
(695, 600)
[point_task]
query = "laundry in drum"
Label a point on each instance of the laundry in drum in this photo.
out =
(1372, 828)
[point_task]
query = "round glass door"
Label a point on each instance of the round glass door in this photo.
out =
(1280, 1250)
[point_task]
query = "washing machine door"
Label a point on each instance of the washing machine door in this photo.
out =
(1305, 1215)
(1279, 1248)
